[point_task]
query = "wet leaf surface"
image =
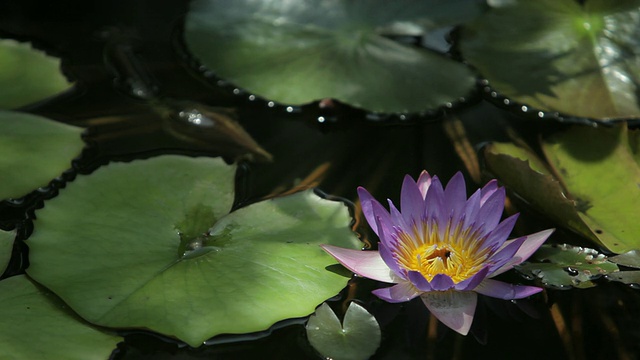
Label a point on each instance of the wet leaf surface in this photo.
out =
(161, 251)
(299, 52)
(37, 325)
(357, 338)
(27, 75)
(630, 259)
(565, 266)
(559, 55)
(38, 150)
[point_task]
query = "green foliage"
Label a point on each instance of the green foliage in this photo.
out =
(564, 266)
(27, 75)
(559, 55)
(37, 150)
(160, 250)
(297, 52)
(358, 337)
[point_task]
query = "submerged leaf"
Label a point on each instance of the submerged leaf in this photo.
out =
(27, 75)
(35, 150)
(160, 250)
(37, 325)
(358, 337)
(563, 266)
(297, 52)
(560, 55)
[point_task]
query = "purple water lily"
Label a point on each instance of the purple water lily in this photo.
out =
(442, 247)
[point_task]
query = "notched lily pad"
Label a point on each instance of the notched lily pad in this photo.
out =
(37, 325)
(288, 53)
(161, 251)
(27, 75)
(35, 150)
(564, 266)
(358, 337)
(576, 58)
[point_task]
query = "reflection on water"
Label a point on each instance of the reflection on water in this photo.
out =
(326, 145)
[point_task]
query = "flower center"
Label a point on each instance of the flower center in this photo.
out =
(457, 255)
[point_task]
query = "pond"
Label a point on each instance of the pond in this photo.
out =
(190, 185)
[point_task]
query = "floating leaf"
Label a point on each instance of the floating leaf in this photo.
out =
(6, 248)
(27, 75)
(37, 325)
(35, 150)
(526, 175)
(599, 171)
(153, 246)
(630, 259)
(297, 52)
(562, 266)
(561, 55)
(357, 338)
(625, 277)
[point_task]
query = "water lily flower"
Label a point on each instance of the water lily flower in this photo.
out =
(442, 247)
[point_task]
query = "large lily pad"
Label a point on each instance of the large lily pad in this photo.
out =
(560, 55)
(27, 75)
(6, 248)
(358, 337)
(296, 52)
(563, 266)
(37, 325)
(599, 170)
(35, 150)
(150, 244)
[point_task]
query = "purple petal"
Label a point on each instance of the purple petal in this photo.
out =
(418, 280)
(454, 308)
(504, 255)
(401, 292)
(491, 211)
(488, 190)
(411, 201)
(455, 196)
(500, 234)
(472, 282)
(472, 207)
(434, 202)
(501, 290)
(387, 256)
(531, 244)
(441, 282)
(424, 181)
(372, 209)
(368, 264)
(397, 219)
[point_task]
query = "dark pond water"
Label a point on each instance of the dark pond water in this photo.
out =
(110, 48)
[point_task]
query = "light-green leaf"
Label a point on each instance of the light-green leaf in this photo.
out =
(37, 325)
(6, 248)
(153, 246)
(357, 338)
(563, 266)
(559, 55)
(297, 52)
(35, 150)
(27, 75)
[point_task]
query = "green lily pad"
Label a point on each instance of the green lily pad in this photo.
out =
(298, 52)
(357, 338)
(6, 248)
(559, 55)
(630, 259)
(35, 150)
(153, 246)
(37, 325)
(27, 75)
(626, 277)
(528, 177)
(563, 266)
(598, 169)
